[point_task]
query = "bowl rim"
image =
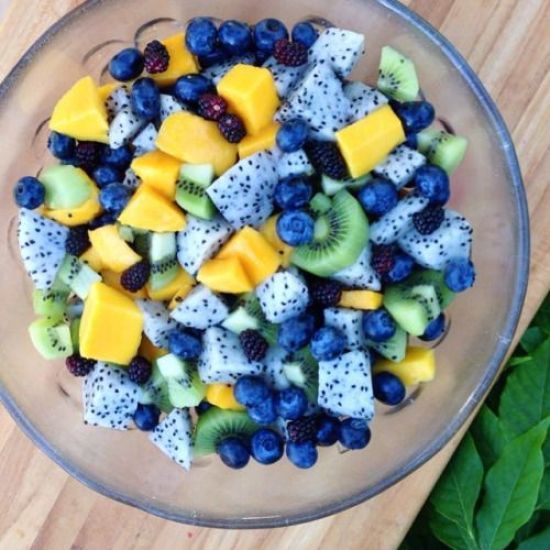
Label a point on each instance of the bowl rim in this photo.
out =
(492, 367)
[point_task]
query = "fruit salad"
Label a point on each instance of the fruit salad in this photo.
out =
(241, 249)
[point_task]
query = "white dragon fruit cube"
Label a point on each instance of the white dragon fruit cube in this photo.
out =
(174, 437)
(349, 322)
(201, 309)
(157, 323)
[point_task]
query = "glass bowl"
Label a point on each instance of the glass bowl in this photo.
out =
(487, 188)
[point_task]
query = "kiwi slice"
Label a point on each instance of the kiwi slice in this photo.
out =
(66, 186)
(216, 424)
(75, 333)
(434, 278)
(126, 233)
(397, 75)
(184, 386)
(77, 275)
(51, 339)
(241, 320)
(341, 234)
(303, 372)
(320, 204)
(393, 349)
(427, 296)
(51, 303)
(331, 186)
(191, 190)
(155, 391)
(268, 330)
(162, 257)
(442, 149)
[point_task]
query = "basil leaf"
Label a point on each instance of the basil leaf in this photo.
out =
(537, 542)
(489, 436)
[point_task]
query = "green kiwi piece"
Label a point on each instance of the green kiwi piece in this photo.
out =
(303, 371)
(443, 149)
(155, 391)
(51, 339)
(77, 275)
(341, 234)
(184, 386)
(331, 186)
(51, 303)
(191, 190)
(126, 233)
(434, 278)
(427, 296)
(66, 186)
(162, 257)
(75, 334)
(216, 424)
(241, 320)
(320, 204)
(268, 330)
(393, 349)
(397, 75)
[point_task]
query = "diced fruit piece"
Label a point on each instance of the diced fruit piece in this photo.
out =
(208, 146)
(149, 351)
(225, 275)
(111, 326)
(348, 321)
(179, 296)
(78, 276)
(162, 258)
(286, 78)
(360, 274)
(251, 94)
(51, 303)
(158, 170)
(252, 306)
(191, 190)
(66, 186)
(361, 299)
(185, 389)
(200, 309)
(81, 113)
(397, 75)
(114, 252)
(303, 372)
(269, 231)
(340, 48)
(173, 436)
(144, 142)
(180, 286)
(106, 90)
(51, 339)
(74, 327)
(181, 61)
(364, 99)
(157, 323)
(221, 396)
(149, 210)
(257, 256)
(262, 141)
(274, 374)
(112, 279)
(417, 366)
(393, 349)
(434, 278)
(93, 259)
(443, 149)
(240, 320)
(283, 296)
(400, 166)
(79, 215)
(367, 142)
(124, 127)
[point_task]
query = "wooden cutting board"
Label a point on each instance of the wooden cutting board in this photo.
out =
(508, 43)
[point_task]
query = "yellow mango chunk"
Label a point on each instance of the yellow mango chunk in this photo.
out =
(263, 140)
(182, 61)
(182, 282)
(250, 93)
(111, 326)
(149, 210)
(114, 252)
(149, 351)
(192, 139)
(179, 296)
(269, 231)
(221, 395)
(93, 259)
(417, 366)
(367, 142)
(80, 215)
(258, 257)
(225, 275)
(158, 170)
(106, 90)
(112, 279)
(81, 113)
(361, 299)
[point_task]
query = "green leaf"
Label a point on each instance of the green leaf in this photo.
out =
(543, 502)
(489, 436)
(540, 541)
(518, 360)
(511, 488)
(455, 496)
(525, 400)
(532, 339)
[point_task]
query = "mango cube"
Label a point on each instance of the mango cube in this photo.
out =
(112, 279)
(222, 396)
(106, 90)
(179, 296)
(181, 61)
(259, 259)
(81, 113)
(182, 282)
(367, 142)
(93, 259)
(114, 252)
(417, 366)
(149, 210)
(262, 141)
(149, 351)
(250, 93)
(269, 231)
(111, 326)
(361, 299)
(192, 139)
(225, 275)
(158, 170)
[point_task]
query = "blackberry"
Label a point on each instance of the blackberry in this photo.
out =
(136, 277)
(326, 158)
(290, 54)
(78, 241)
(87, 153)
(78, 366)
(254, 345)
(232, 128)
(325, 293)
(139, 370)
(157, 57)
(303, 429)
(211, 106)
(383, 258)
(428, 220)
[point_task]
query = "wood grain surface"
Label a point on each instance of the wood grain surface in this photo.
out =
(508, 43)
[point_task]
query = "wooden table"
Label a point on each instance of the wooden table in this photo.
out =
(508, 43)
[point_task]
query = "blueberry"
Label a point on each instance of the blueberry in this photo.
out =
(291, 194)
(459, 275)
(295, 333)
(267, 446)
(414, 115)
(217, 56)
(235, 37)
(328, 343)
(434, 329)
(303, 455)
(432, 182)
(328, 430)
(127, 65)
(61, 146)
(146, 417)
(233, 452)
(264, 413)
(104, 175)
(292, 135)
(267, 32)
(202, 407)
(402, 267)
(378, 325)
(378, 197)
(191, 86)
(388, 388)
(295, 227)
(184, 345)
(305, 33)
(261, 57)
(201, 36)
(412, 141)
(146, 98)
(354, 433)
(29, 193)
(291, 403)
(120, 158)
(251, 390)
(114, 197)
